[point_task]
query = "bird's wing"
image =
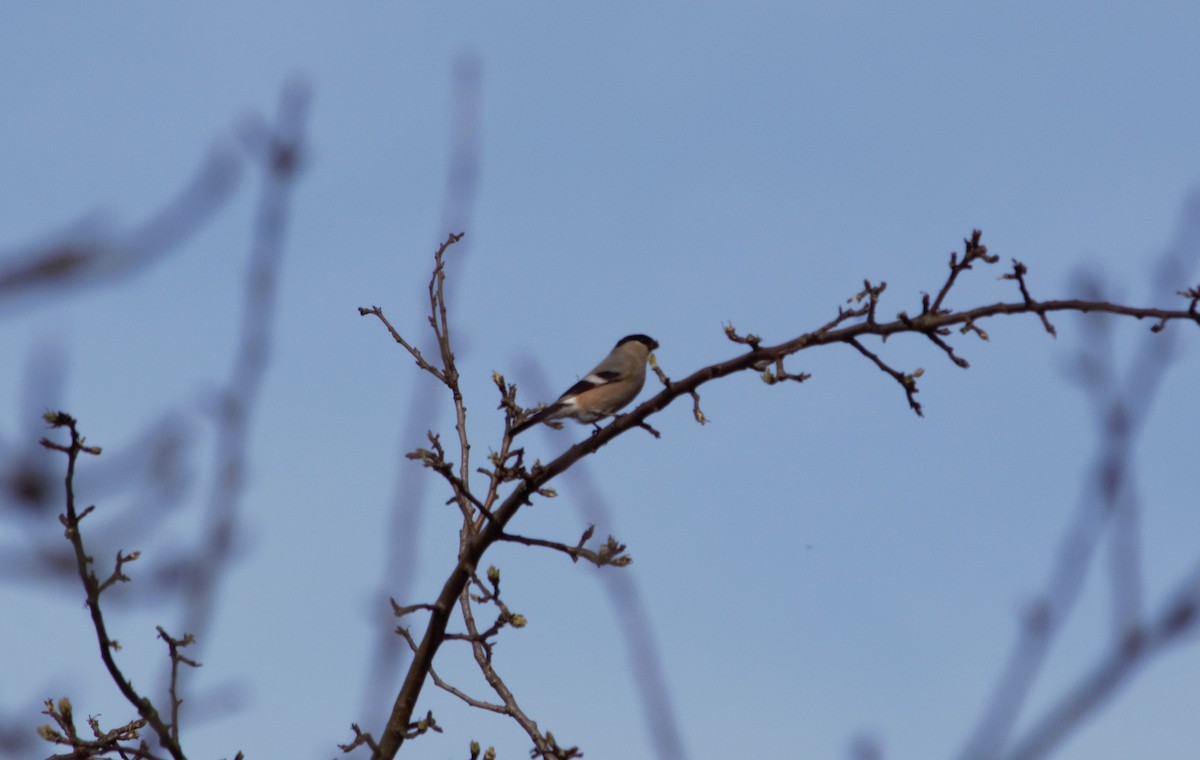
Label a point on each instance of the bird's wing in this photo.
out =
(593, 380)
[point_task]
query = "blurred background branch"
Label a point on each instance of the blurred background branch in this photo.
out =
(1108, 513)
(143, 484)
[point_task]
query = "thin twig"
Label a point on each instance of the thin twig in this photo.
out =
(280, 150)
(483, 659)
(173, 647)
(92, 586)
(933, 321)
(448, 687)
(972, 251)
(907, 382)
(1018, 273)
(612, 553)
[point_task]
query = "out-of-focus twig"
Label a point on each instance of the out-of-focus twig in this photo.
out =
(281, 151)
(83, 256)
(1109, 507)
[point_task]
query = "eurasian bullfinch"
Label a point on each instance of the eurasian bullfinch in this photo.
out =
(610, 386)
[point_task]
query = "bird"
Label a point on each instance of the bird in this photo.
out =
(610, 386)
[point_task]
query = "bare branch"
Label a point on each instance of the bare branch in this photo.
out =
(396, 336)
(973, 251)
(697, 412)
(611, 553)
(907, 382)
(449, 688)
(84, 256)
(1109, 508)
(93, 587)
(173, 647)
(1018, 273)
(934, 323)
(104, 743)
(1174, 622)
(482, 651)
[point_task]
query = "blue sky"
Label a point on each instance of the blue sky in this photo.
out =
(818, 564)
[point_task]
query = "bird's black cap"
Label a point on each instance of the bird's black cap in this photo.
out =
(650, 343)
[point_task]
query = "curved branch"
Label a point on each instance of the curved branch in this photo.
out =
(929, 323)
